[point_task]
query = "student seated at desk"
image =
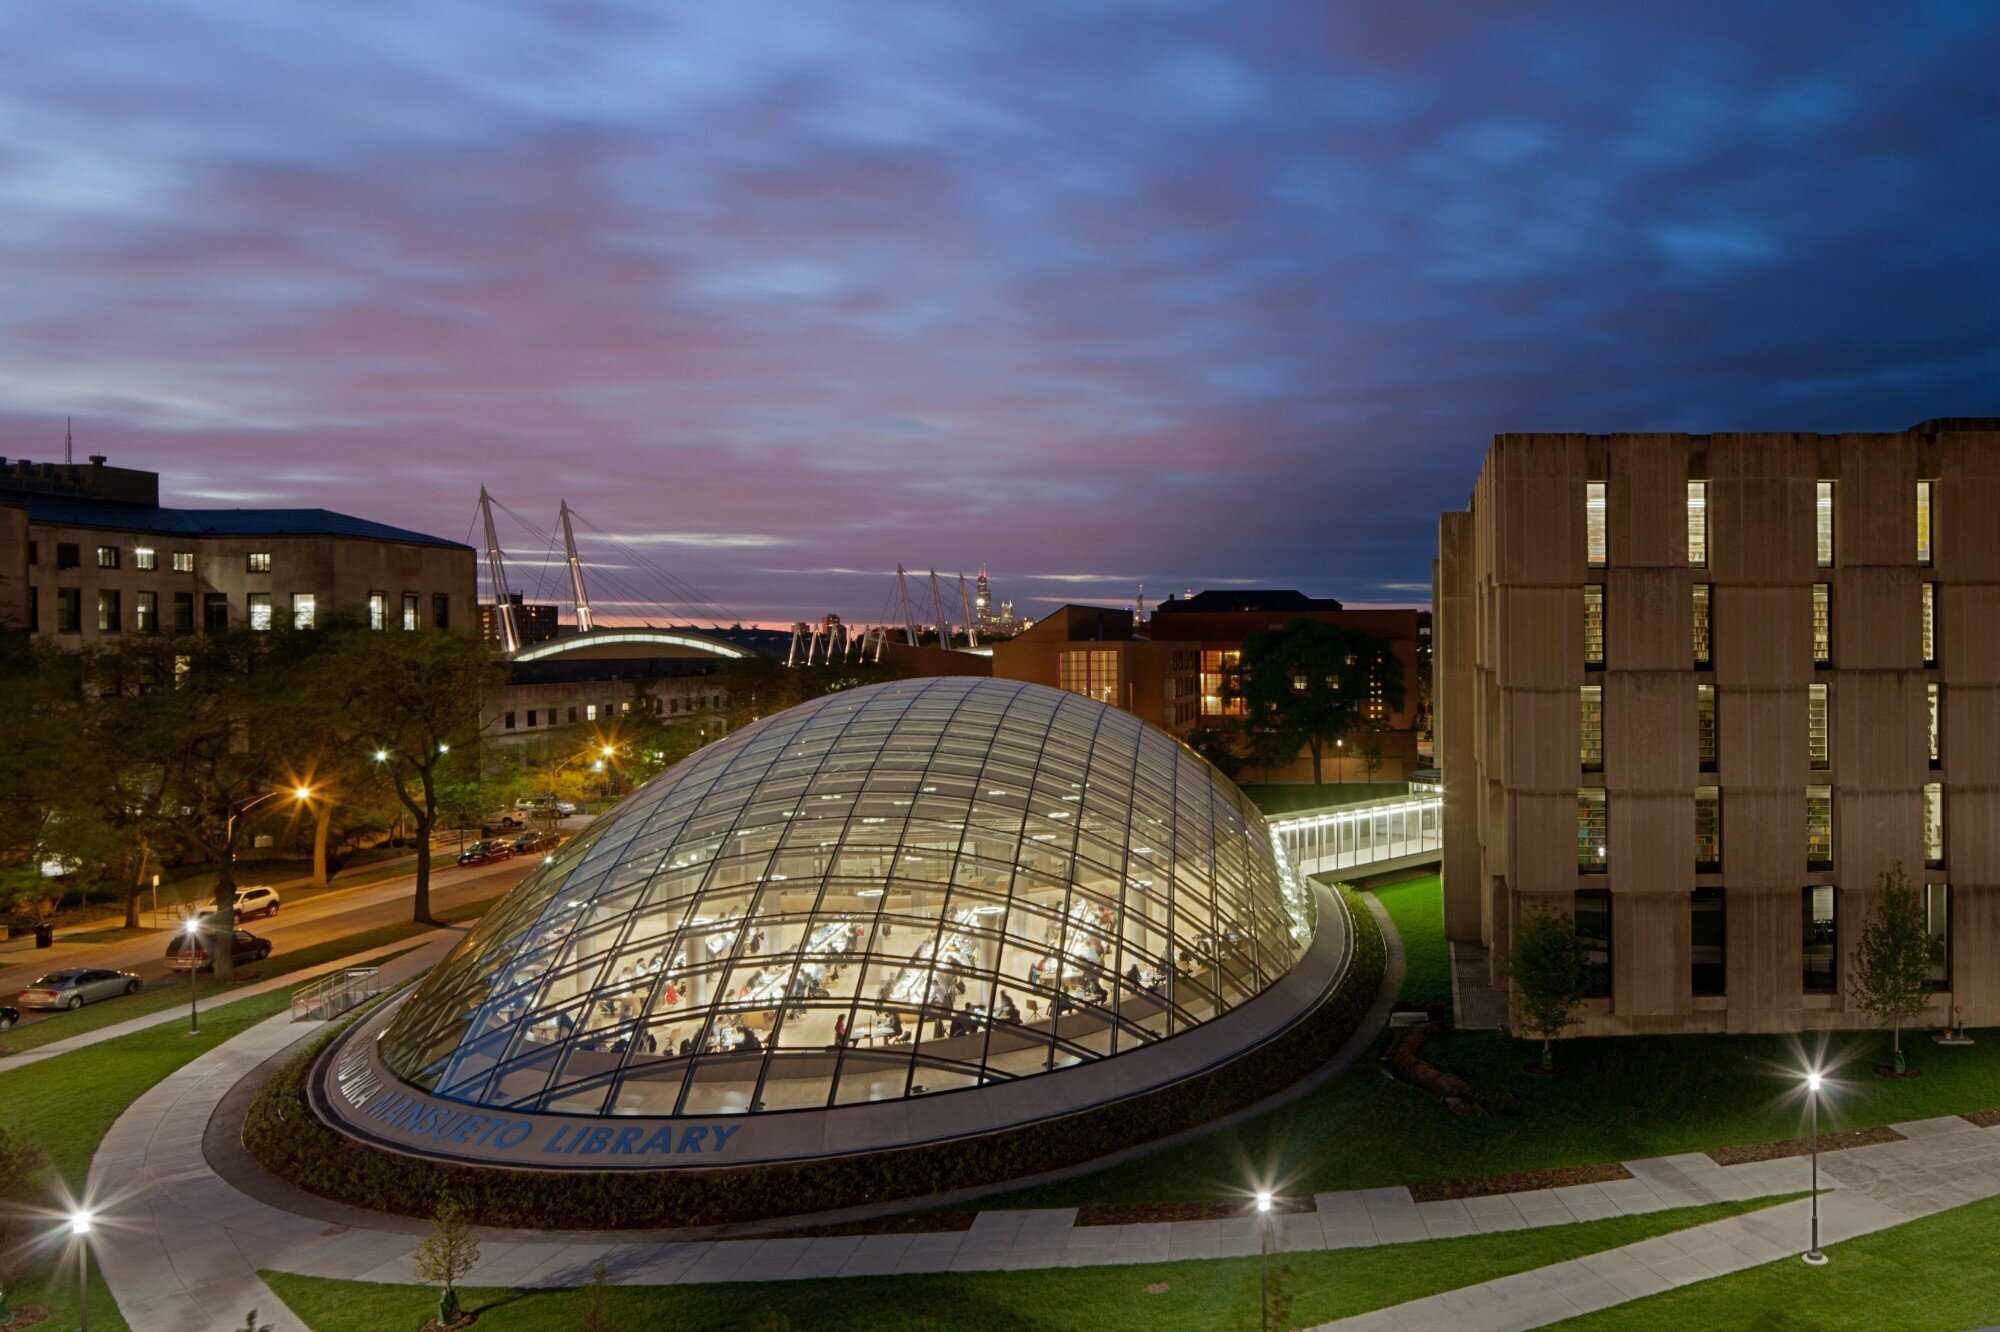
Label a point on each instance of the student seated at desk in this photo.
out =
(1009, 1012)
(749, 1044)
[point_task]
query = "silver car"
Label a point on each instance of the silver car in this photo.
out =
(78, 986)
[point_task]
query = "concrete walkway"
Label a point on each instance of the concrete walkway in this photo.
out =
(209, 1002)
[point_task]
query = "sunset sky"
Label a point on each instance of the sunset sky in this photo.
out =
(1194, 295)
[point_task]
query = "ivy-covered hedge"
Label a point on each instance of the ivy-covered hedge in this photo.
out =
(283, 1133)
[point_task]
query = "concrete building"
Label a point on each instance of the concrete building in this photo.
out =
(87, 554)
(1170, 669)
(1700, 691)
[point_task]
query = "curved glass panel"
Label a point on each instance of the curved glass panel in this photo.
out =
(891, 891)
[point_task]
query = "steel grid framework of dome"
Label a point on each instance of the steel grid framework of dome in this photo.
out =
(887, 893)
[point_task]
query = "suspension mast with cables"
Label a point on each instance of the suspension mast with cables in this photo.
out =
(583, 616)
(496, 572)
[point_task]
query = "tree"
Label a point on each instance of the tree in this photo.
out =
(1310, 683)
(446, 1256)
(1370, 750)
(411, 701)
(1220, 746)
(1891, 976)
(1548, 964)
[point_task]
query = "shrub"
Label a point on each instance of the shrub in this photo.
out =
(282, 1132)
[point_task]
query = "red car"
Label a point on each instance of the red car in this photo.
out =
(486, 852)
(187, 952)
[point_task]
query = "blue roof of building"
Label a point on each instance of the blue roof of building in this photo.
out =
(64, 510)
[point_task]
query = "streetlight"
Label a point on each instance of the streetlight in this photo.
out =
(193, 931)
(1814, 1082)
(298, 793)
(79, 1229)
(1264, 1259)
(381, 756)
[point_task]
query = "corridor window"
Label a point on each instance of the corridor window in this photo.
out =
(1823, 524)
(1708, 942)
(1820, 952)
(1822, 624)
(1590, 709)
(1930, 624)
(1923, 522)
(1593, 931)
(1936, 726)
(1593, 851)
(1594, 540)
(1934, 824)
(1702, 626)
(1697, 524)
(1819, 827)
(1706, 743)
(1093, 673)
(1707, 829)
(1819, 742)
(1937, 924)
(260, 610)
(1593, 625)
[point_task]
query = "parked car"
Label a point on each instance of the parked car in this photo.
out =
(78, 986)
(8, 1016)
(529, 842)
(256, 902)
(485, 852)
(529, 804)
(191, 952)
(564, 808)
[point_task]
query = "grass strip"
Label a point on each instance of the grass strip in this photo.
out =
(1416, 904)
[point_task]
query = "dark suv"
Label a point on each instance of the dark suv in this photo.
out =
(191, 952)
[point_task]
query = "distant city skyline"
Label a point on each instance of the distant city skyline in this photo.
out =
(1191, 296)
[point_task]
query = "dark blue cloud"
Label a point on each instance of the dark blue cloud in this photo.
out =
(1190, 292)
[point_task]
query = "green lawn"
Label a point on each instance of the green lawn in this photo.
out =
(64, 1106)
(1200, 1294)
(1938, 1272)
(1284, 797)
(1416, 904)
(172, 992)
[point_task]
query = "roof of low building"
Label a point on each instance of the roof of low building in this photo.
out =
(1248, 599)
(62, 510)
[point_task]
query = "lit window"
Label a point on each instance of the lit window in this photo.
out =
(1593, 625)
(1937, 923)
(1934, 823)
(302, 610)
(1821, 946)
(410, 610)
(110, 620)
(146, 612)
(1823, 524)
(1217, 666)
(590, 712)
(1593, 849)
(107, 557)
(260, 610)
(1591, 719)
(1593, 931)
(1930, 624)
(1703, 623)
(1923, 522)
(1822, 624)
(144, 558)
(378, 610)
(1708, 941)
(1092, 673)
(257, 561)
(1936, 699)
(1819, 743)
(183, 561)
(1707, 828)
(1819, 827)
(1705, 733)
(1595, 546)
(1697, 524)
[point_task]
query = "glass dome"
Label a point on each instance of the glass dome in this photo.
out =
(891, 891)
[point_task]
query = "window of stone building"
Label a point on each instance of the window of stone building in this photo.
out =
(531, 718)
(1595, 540)
(508, 721)
(68, 555)
(1590, 709)
(1697, 524)
(214, 611)
(1217, 666)
(1936, 698)
(1819, 739)
(1593, 626)
(1822, 624)
(1930, 624)
(1593, 930)
(69, 610)
(183, 612)
(590, 712)
(1819, 827)
(305, 610)
(1708, 941)
(1707, 829)
(1092, 673)
(1707, 741)
(1937, 923)
(146, 612)
(1819, 909)
(1934, 824)
(572, 714)
(378, 610)
(257, 561)
(1703, 626)
(1593, 831)
(1823, 524)
(183, 561)
(1924, 522)
(145, 557)
(411, 610)
(34, 609)
(440, 610)
(34, 553)
(260, 610)
(107, 557)
(110, 616)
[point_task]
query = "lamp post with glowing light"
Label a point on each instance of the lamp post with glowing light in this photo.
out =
(227, 879)
(192, 932)
(1814, 1082)
(79, 1229)
(1264, 1259)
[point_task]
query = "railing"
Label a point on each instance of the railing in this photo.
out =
(334, 994)
(1408, 829)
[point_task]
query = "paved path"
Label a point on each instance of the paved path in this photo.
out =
(209, 1002)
